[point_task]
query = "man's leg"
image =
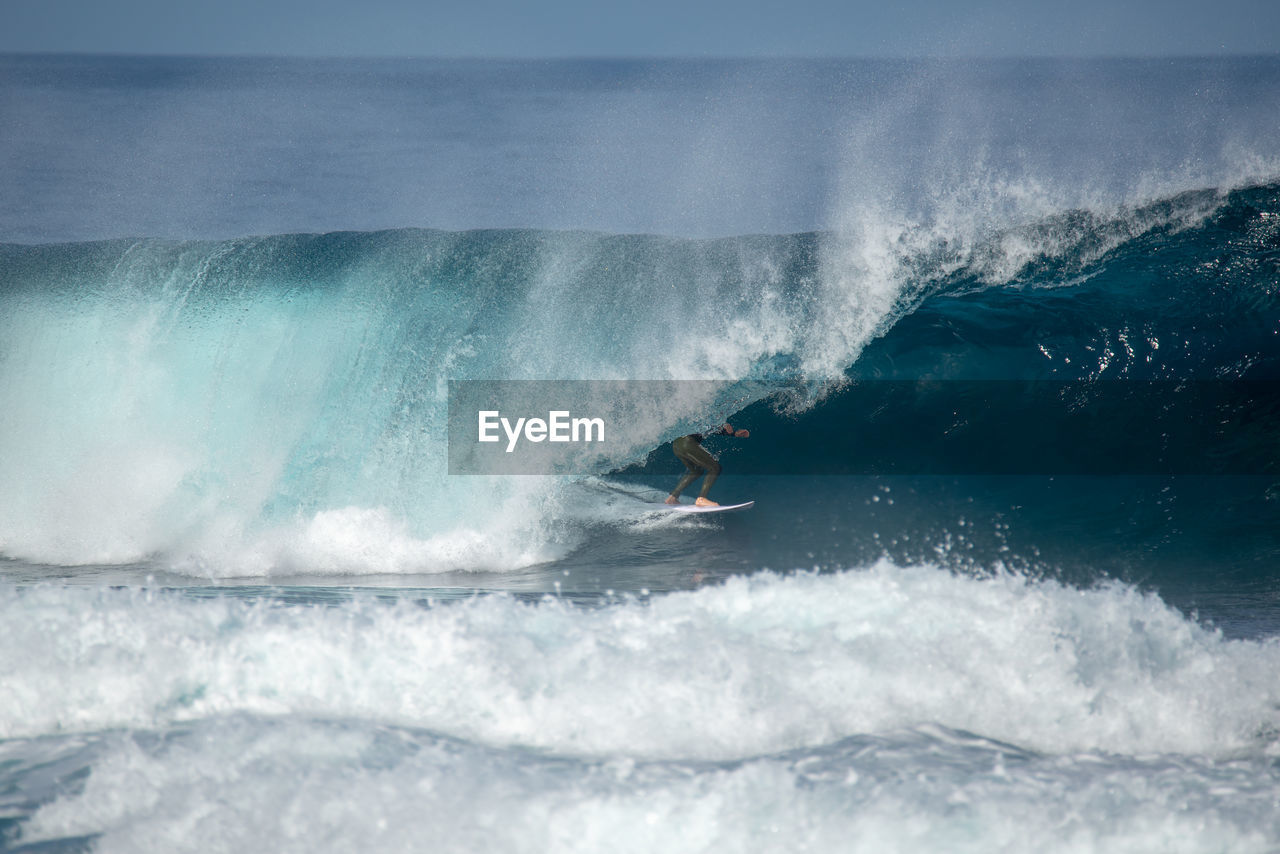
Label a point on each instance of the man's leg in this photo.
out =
(698, 457)
(689, 477)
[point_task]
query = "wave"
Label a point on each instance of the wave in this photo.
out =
(278, 404)
(765, 664)
(1177, 290)
(294, 779)
(769, 712)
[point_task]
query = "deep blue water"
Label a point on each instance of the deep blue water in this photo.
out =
(1006, 336)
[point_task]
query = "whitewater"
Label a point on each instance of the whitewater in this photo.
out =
(1006, 336)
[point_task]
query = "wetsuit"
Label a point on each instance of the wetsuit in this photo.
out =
(697, 460)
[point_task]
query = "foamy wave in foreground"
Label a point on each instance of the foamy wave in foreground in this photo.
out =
(758, 665)
(247, 784)
(889, 709)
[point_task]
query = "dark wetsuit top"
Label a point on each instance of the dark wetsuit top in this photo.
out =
(698, 437)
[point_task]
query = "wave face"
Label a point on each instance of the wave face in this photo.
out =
(1179, 289)
(169, 398)
(276, 405)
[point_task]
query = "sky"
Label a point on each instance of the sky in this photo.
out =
(643, 28)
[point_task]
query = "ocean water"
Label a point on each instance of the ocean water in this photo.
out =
(1006, 336)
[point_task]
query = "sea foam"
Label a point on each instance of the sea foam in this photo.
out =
(757, 665)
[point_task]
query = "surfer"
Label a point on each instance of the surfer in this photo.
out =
(698, 461)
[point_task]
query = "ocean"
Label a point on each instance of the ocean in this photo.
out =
(1005, 334)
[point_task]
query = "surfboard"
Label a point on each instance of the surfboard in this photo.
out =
(723, 508)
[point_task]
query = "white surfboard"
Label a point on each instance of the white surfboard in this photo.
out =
(694, 508)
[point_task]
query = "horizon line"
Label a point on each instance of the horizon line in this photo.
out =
(781, 57)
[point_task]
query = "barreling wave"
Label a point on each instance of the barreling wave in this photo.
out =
(1173, 307)
(1184, 288)
(277, 404)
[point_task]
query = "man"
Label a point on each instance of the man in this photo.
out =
(699, 461)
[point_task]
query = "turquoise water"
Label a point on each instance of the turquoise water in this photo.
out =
(247, 606)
